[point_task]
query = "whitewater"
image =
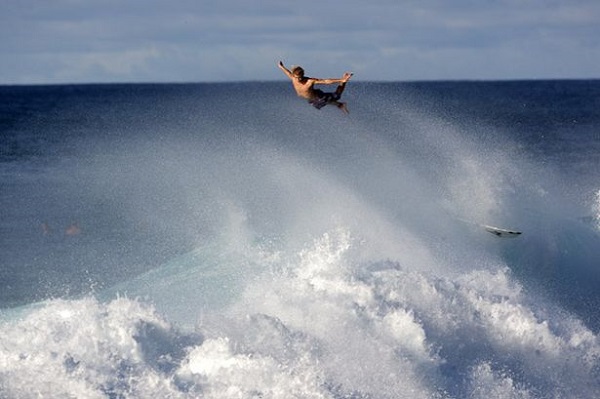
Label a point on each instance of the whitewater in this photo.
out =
(231, 241)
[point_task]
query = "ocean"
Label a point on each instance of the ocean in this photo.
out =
(230, 241)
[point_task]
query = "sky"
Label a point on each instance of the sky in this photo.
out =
(111, 41)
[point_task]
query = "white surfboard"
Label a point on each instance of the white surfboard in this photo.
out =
(498, 232)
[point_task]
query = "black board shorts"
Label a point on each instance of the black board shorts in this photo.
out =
(322, 99)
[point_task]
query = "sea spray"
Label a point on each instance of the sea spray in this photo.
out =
(480, 328)
(596, 210)
(85, 348)
(319, 323)
(270, 249)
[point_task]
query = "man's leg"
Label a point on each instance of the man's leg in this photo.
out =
(342, 86)
(341, 106)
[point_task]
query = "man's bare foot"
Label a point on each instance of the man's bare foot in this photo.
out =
(343, 107)
(347, 76)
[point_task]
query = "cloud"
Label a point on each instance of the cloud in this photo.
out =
(115, 64)
(186, 40)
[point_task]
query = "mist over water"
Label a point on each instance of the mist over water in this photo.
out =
(235, 242)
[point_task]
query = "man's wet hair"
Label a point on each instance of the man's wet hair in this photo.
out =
(298, 72)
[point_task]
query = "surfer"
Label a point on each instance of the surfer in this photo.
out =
(73, 229)
(304, 87)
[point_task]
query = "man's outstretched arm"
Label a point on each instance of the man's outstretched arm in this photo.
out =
(328, 81)
(287, 72)
(344, 79)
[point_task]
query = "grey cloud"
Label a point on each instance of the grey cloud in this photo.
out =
(185, 40)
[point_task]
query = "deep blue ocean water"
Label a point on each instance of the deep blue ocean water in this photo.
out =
(231, 241)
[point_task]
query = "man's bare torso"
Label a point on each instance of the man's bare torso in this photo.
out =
(304, 87)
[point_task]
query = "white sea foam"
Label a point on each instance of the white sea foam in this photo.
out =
(596, 210)
(321, 326)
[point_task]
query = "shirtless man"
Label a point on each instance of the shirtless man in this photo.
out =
(304, 87)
